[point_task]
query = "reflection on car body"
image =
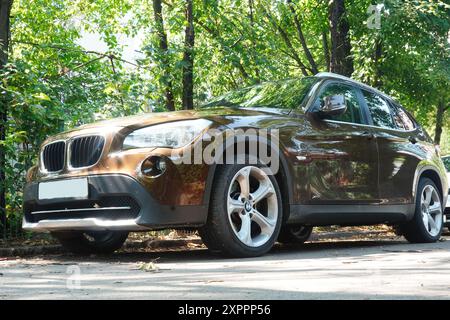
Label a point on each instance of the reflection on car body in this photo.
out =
(348, 155)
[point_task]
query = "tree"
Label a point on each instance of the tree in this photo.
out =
(409, 58)
(163, 46)
(326, 50)
(188, 58)
(5, 11)
(302, 39)
(292, 52)
(439, 121)
(341, 59)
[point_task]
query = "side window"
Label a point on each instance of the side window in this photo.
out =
(402, 119)
(379, 110)
(353, 113)
(397, 120)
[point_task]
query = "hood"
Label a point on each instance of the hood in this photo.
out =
(231, 117)
(142, 120)
(215, 114)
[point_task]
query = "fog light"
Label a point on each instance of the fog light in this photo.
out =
(153, 166)
(161, 164)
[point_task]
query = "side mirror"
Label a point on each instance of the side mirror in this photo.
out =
(333, 105)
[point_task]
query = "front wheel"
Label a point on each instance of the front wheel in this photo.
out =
(426, 225)
(245, 212)
(87, 242)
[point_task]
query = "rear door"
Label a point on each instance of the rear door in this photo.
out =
(397, 148)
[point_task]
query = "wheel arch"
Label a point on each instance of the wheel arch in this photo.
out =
(428, 171)
(283, 177)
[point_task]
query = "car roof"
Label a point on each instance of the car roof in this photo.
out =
(330, 75)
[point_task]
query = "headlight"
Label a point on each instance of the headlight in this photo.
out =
(172, 135)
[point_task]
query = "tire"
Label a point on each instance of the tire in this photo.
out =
(426, 225)
(294, 234)
(241, 223)
(209, 241)
(91, 242)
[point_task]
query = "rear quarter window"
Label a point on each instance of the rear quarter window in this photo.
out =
(379, 110)
(446, 161)
(402, 119)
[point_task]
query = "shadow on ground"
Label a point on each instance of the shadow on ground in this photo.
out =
(202, 254)
(342, 269)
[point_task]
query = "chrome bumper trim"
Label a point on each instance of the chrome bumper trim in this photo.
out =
(82, 224)
(81, 210)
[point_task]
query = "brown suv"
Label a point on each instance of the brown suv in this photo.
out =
(257, 165)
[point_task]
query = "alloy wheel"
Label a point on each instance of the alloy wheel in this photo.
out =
(431, 210)
(252, 206)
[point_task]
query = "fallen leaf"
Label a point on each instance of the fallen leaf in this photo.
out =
(148, 266)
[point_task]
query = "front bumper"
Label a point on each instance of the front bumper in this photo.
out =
(115, 202)
(81, 224)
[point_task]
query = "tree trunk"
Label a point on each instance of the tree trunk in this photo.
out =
(302, 39)
(326, 50)
(439, 121)
(5, 10)
(163, 46)
(378, 54)
(252, 25)
(188, 59)
(341, 59)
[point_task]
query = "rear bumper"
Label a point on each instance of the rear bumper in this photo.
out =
(447, 211)
(447, 206)
(115, 202)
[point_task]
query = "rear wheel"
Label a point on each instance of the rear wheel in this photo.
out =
(87, 242)
(426, 226)
(294, 234)
(245, 212)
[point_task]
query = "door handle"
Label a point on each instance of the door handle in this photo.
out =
(369, 135)
(412, 139)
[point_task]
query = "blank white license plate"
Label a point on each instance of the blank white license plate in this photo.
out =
(73, 188)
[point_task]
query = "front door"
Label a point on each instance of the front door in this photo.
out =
(342, 152)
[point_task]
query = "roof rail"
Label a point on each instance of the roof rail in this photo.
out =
(332, 75)
(339, 76)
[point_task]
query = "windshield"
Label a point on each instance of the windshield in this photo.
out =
(446, 161)
(284, 94)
